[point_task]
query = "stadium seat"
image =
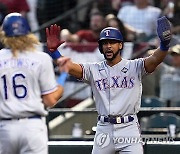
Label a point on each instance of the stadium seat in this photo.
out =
(175, 104)
(163, 120)
(152, 102)
(159, 123)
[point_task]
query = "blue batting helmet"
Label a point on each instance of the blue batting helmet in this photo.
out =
(109, 33)
(15, 24)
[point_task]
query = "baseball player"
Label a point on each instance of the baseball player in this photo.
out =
(27, 86)
(116, 86)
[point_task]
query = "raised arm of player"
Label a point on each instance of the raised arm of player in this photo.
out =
(53, 42)
(164, 34)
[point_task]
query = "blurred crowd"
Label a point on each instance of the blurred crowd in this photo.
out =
(136, 19)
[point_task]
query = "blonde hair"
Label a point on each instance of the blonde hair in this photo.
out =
(19, 43)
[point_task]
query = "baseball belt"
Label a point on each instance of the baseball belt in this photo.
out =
(31, 117)
(115, 119)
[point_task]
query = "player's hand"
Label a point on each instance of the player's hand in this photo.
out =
(53, 37)
(64, 63)
(164, 32)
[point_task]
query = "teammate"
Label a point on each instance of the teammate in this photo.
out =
(116, 86)
(27, 86)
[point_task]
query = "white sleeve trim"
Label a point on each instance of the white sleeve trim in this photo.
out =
(50, 90)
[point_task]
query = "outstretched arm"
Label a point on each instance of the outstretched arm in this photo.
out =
(74, 69)
(164, 34)
(51, 99)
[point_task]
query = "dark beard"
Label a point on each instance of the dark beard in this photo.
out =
(113, 57)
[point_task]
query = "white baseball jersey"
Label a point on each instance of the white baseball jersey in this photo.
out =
(117, 90)
(23, 80)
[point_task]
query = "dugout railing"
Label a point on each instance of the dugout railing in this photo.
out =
(144, 112)
(158, 144)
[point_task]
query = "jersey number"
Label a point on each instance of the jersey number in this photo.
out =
(15, 86)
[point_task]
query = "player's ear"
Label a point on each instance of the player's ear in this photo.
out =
(120, 46)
